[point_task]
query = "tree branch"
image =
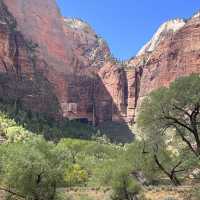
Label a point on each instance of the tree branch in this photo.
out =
(179, 123)
(176, 166)
(182, 110)
(185, 140)
(180, 170)
(160, 165)
(11, 192)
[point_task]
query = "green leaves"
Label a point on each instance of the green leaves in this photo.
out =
(169, 123)
(11, 114)
(31, 168)
(75, 175)
(173, 111)
(125, 187)
(92, 158)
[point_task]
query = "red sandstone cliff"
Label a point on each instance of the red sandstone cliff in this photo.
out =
(178, 54)
(59, 66)
(65, 54)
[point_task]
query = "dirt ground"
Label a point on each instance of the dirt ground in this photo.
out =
(151, 193)
(155, 193)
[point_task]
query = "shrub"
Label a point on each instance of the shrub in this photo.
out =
(125, 187)
(75, 175)
(30, 170)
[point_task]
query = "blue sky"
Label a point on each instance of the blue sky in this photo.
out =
(127, 25)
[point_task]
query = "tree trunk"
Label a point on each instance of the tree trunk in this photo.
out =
(174, 180)
(125, 190)
(171, 175)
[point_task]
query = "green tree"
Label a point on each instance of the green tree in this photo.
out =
(142, 163)
(124, 185)
(72, 148)
(31, 169)
(169, 121)
(175, 109)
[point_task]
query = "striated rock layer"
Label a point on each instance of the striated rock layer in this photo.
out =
(177, 55)
(20, 79)
(66, 55)
(61, 67)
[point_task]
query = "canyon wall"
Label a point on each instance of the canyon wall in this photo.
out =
(178, 54)
(61, 67)
(66, 53)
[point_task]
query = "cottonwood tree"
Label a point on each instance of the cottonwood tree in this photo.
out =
(173, 111)
(151, 157)
(175, 108)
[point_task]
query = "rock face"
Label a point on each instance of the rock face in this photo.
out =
(164, 31)
(90, 49)
(20, 80)
(60, 67)
(40, 21)
(64, 58)
(177, 55)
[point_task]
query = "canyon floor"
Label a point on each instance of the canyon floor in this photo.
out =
(150, 193)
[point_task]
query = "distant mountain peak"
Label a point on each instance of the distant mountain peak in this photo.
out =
(78, 24)
(169, 27)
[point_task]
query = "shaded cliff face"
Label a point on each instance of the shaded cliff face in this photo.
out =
(98, 98)
(67, 54)
(172, 52)
(20, 81)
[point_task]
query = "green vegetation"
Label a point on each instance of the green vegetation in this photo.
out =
(41, 124)
(169, 123)
(196, 194)
(164, 151)
(175, 109)
(124, 186)
(30, 170)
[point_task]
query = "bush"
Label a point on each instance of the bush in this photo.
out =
(85, 197)
(124, 186)
(30, 170)
(75, 175)
(13, 114)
